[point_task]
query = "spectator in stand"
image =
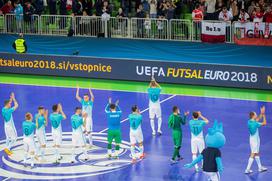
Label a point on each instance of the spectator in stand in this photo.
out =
(89, 7)
(243, 17)
(39, 6)
(146, 6)
(62, 7)
(170, 10)
(98, 7)
(7, 8)
(140, 22)
(233, 7)
(251, 7)
(268, 15)
(160, 26)
(120, 13)
(153, 8)
(77, 8)
(197, 14)
(210, 12)
(162, 7)
(147, 25)
(18, 11)
(2, 3)
(29, 11)
(262, 5)
(52, 4)
(218, 8)
(257, 15)
(225, 15)
(106, 8)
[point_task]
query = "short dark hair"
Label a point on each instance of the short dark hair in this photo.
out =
(195, 115)
(86, 94)
(197, 6)
(175, 108)
(40, 107)
(6, 102)
(112, 106)
(28, 116)
(55, 107)
(251, 114)
(77, 108)
(134, 108)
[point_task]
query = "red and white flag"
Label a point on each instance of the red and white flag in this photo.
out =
(213, 32)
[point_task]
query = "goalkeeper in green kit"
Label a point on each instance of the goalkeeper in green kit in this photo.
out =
(174, 122)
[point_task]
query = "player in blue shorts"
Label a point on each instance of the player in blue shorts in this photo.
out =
(10, 131)
(114, 115)
(56, 118)
(87, 108)
(29, 143)
(254, 139)
(136, 134)
(197, 139)
(154, 91)
(78, 140)
(41, 123)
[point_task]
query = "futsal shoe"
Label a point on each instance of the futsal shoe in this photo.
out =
(248, 171)
(197, 169)
(159, 133)
(180, 158)
(262, 169)
(133, 160)
(142, 156)
(8, 152)
(60, 158)
(153, 133)
(109, 156)
(172, 162)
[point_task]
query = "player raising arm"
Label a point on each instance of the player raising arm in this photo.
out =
(56, 117)
(197, 139)
(154, 91)
(114, 114)
(10, 131)
(254, 139)
(87, 108)
(41, 123)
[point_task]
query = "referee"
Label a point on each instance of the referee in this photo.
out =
(20, 44)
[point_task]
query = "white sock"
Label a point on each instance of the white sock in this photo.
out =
(11, 143)
(132, 150)
(194, 157)
(57, 155)
(141, 149)
(159, 124)
(90, 137)
(42, 152)
(85, 151)
(250, 161)
(152, 123)
(25, 157)
(8, 143)
(109, 152)
(257, 158)
(32, 160)
(73, 154)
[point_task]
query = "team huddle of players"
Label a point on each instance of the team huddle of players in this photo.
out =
(82, 126)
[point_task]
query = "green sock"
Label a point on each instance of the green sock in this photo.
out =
(109, 147)
(175, 154)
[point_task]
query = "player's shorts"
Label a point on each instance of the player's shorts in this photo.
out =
(40, 134)
(154, 110)
(114, 135)
(57, 136)
(78, 138)
(197, 144)
(136, 136)
(254, 141)
(212, 176)
(10, 131)
(89, 124)
(29, 144)
(177, 138)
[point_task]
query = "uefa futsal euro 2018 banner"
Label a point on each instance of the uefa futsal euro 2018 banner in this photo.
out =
(138, 70)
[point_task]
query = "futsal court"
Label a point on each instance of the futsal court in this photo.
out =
(229, 105)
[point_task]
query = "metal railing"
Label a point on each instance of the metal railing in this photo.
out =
(27, 24)
(93, 26)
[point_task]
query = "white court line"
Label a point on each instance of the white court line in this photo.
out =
(142, 111)
(120, 90)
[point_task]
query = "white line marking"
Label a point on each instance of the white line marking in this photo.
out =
(142, 111)
(205, 96)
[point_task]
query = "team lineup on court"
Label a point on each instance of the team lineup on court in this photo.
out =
(206, 154)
